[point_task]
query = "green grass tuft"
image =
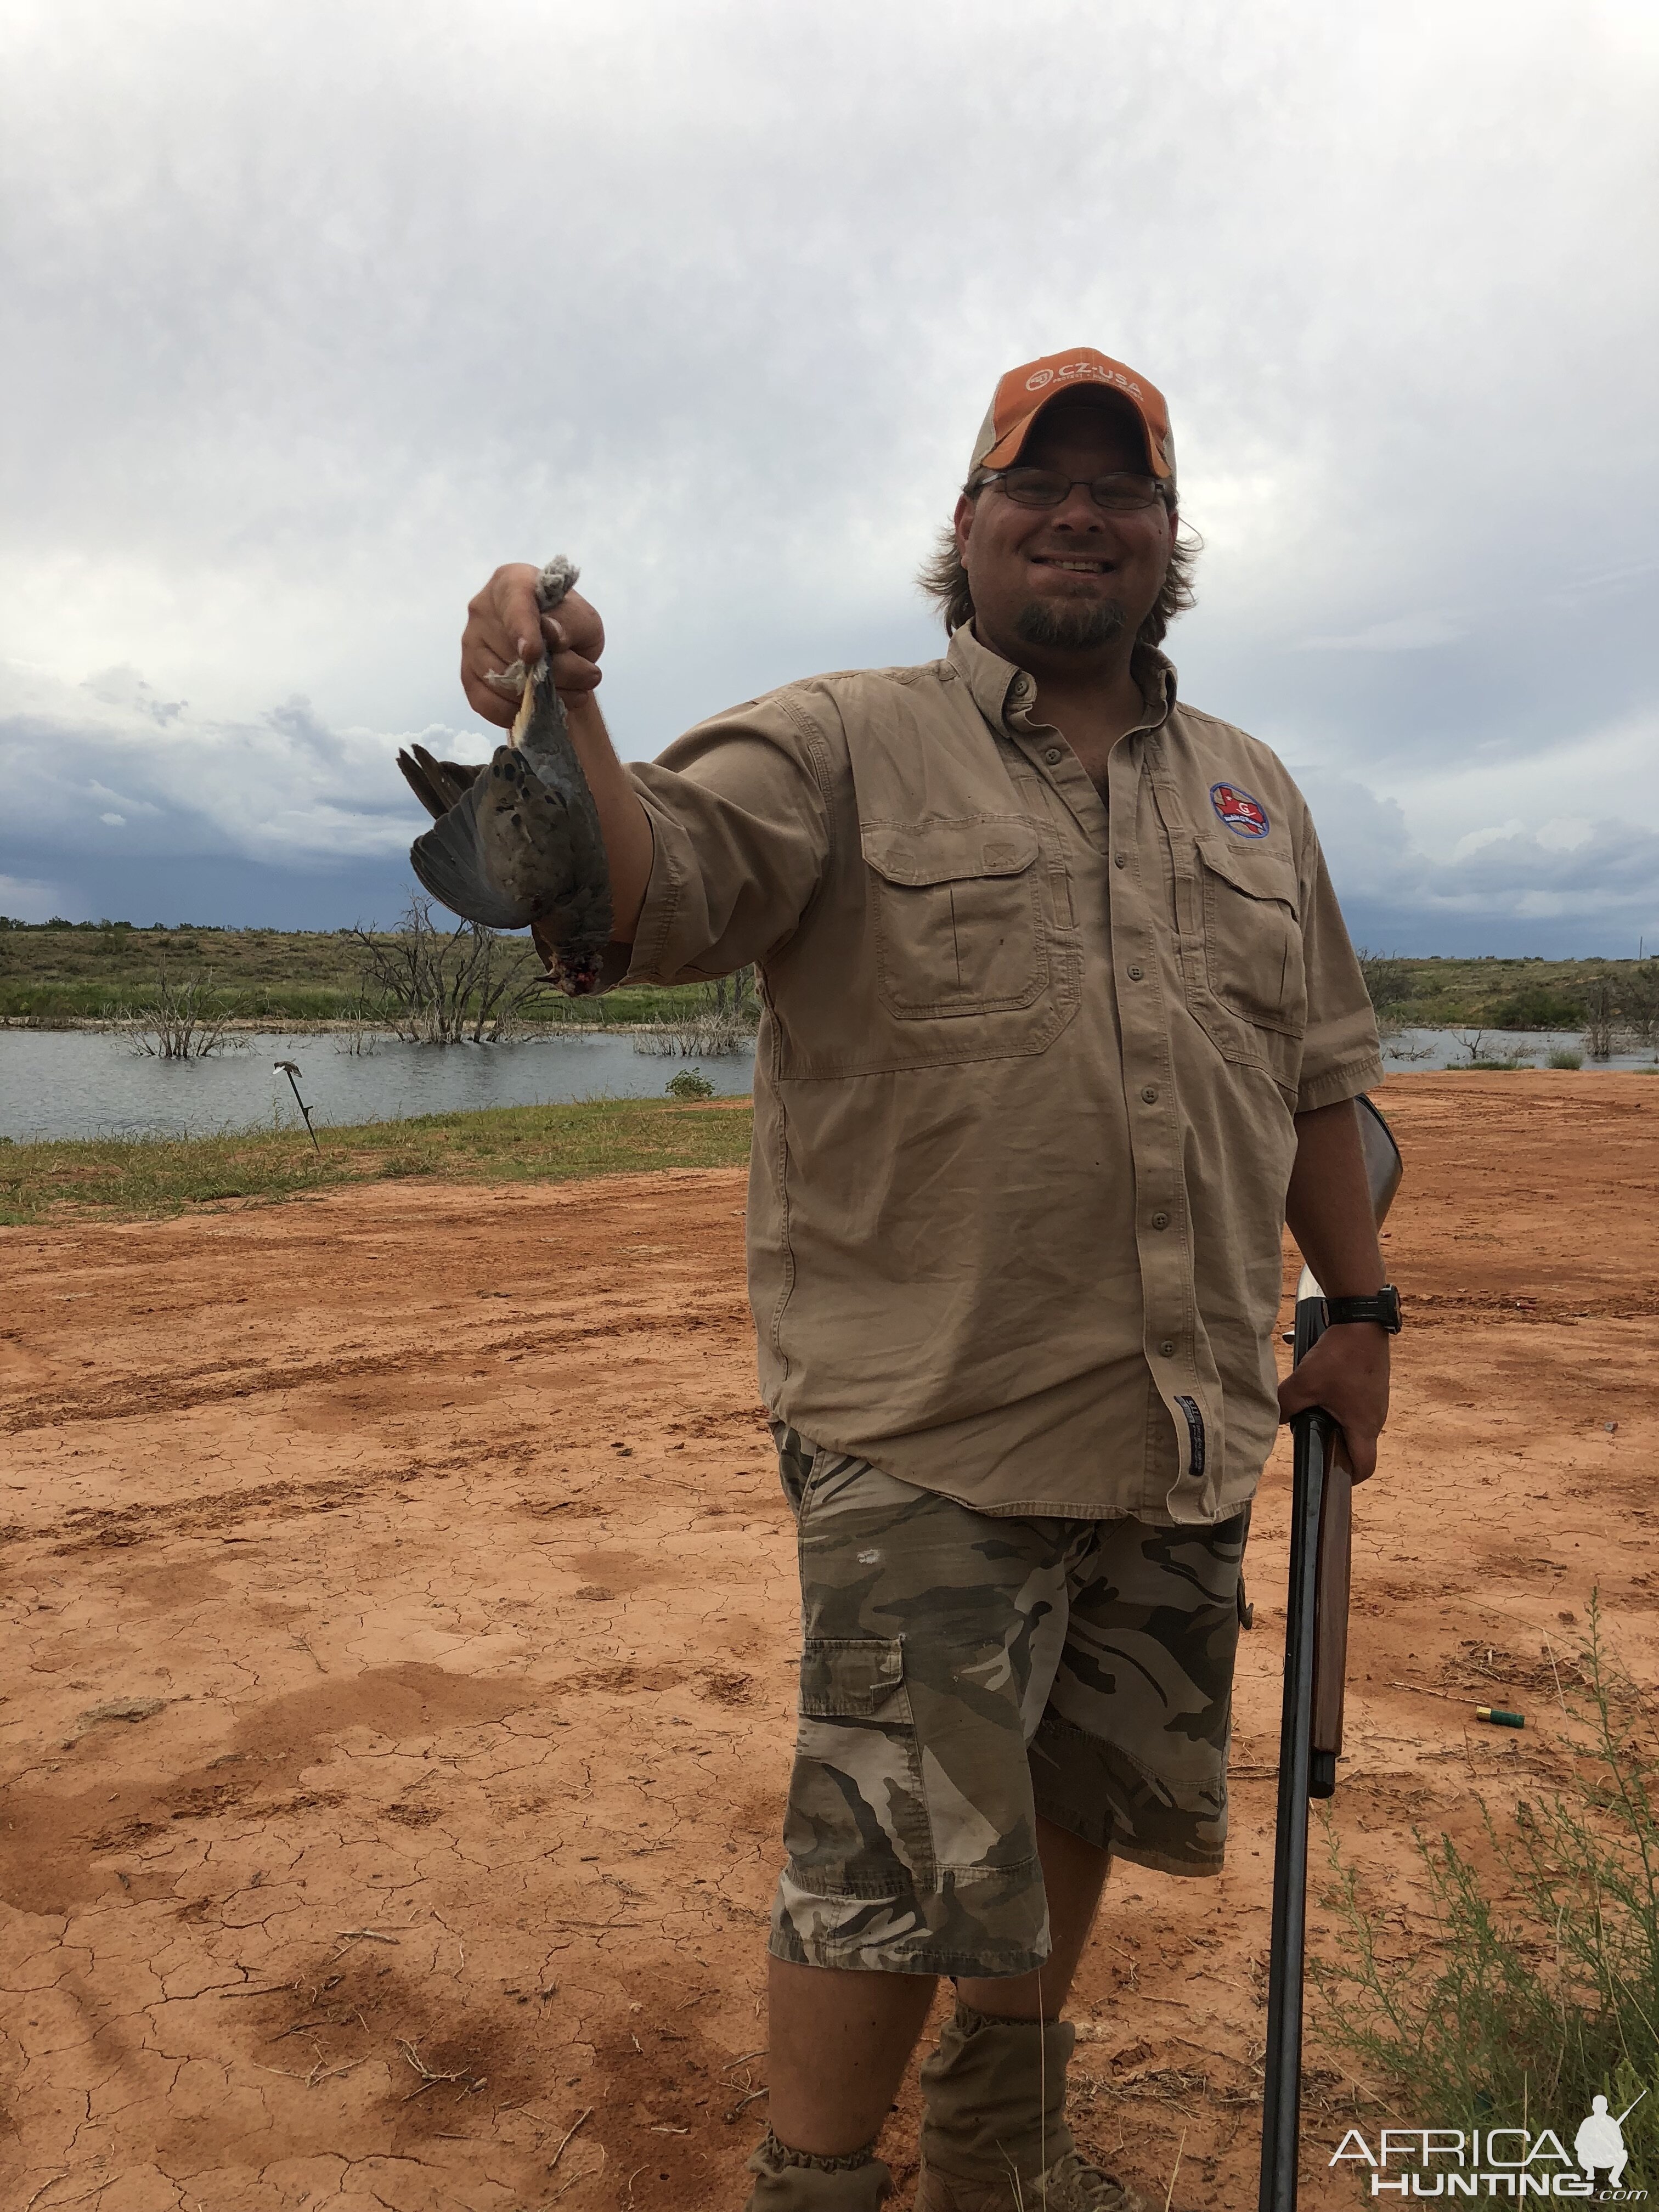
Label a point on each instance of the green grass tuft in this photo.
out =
(150, 1176)
(1536, 1986)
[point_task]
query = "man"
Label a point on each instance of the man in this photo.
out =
(1060, 1019)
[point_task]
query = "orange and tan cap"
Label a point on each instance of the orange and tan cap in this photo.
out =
(1022, 395)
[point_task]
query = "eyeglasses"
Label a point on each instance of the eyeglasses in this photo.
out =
(1122, 492)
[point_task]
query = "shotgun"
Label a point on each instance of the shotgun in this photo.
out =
(1316, 1672)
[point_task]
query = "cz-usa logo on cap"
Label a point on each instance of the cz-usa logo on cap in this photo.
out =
(1040, 379)
(1244, 816)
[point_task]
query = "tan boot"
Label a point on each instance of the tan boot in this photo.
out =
(793, 2181)
(994, 2132)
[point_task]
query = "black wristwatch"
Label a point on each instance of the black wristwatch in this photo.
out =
(1383, 1307)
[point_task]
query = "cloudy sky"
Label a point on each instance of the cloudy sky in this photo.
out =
(318, 313)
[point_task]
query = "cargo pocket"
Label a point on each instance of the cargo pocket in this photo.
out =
(959, 915)
(857, 1822)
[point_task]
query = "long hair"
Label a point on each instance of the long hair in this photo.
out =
(944, 579)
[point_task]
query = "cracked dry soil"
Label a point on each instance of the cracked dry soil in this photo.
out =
(397, 1677)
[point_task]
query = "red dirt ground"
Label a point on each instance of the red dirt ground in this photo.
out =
(437, 1533)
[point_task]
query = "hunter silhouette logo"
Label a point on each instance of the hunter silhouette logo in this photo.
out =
(1600, 2141)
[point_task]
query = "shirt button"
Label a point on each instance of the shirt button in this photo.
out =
(1150, 1095)
(1054, 757)
(1135, 975)
(1120, 860)
(1160, 1221)
(1166, 1349)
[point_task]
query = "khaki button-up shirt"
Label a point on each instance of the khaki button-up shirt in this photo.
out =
(1025, 1078)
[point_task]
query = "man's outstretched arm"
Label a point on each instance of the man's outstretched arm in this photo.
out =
(505, 624)
(1328, 1211)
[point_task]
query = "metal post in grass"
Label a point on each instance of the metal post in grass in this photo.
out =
(289, 1068)
(1310, 1726)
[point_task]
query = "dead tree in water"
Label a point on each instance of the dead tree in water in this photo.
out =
(180, 1021)
(722, 1020)
(437, 986)
(1601, 1012)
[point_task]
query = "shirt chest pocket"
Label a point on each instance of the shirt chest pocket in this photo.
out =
(957, 914)
(1250, 919)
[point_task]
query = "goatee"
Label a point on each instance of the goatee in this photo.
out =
(1070, 625)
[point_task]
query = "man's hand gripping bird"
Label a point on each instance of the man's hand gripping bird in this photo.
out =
(517, 840)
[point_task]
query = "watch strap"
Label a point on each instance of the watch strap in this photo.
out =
(1382, 1307)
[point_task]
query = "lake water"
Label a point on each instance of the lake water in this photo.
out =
(67, 1082)
(1438, 1048)
(72, 1082)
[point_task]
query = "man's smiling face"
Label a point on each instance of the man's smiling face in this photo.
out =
(1059, 584)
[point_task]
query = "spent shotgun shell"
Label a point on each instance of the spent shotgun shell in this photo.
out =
(1499, 1717)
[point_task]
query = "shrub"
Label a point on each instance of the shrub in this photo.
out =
(1536, 1006)
(1565, 1056)
(689, 1083)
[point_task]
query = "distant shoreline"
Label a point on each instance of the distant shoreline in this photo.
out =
(302, 1025)
(317, 983)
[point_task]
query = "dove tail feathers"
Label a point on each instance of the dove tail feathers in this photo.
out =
(438, 784)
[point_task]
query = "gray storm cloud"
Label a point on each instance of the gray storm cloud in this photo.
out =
(318, 314)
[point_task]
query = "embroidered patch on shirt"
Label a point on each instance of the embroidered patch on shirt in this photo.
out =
(1244, 816)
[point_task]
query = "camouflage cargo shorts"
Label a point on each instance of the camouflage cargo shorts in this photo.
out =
(961, 1673)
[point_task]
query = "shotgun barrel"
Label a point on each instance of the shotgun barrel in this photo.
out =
(1310, 1722)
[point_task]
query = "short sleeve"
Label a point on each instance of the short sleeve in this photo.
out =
(741, 825)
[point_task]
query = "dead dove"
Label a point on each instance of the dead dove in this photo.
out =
(518, 840)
